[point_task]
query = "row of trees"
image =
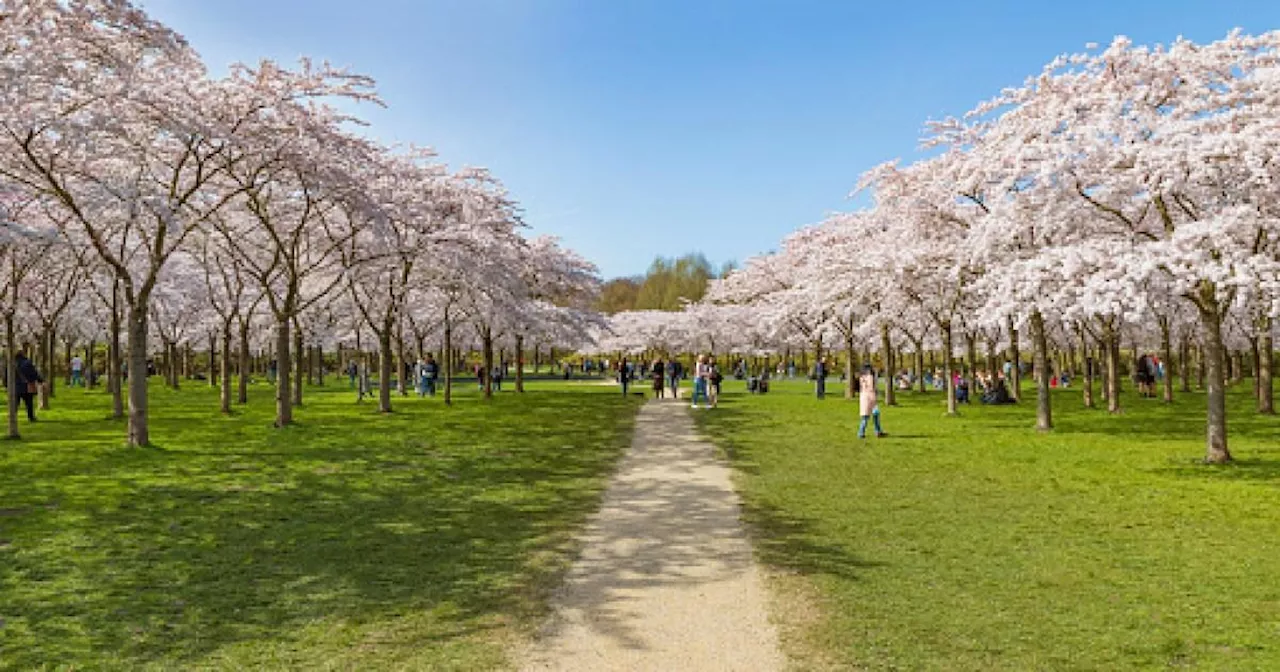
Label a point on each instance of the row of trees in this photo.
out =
(142, 200)
(1122, 195)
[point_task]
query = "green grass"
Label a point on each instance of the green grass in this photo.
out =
(975, 543)
(427, 539)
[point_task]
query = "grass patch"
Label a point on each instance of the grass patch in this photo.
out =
(425, 539)
(975, 543)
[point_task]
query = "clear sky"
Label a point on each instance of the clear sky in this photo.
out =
(636, 128)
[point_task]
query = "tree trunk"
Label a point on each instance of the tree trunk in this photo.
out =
(11, 374)
(1216, 426)
(139, 429)
(890, 394)
(446, 360)
(1166, 356)
(1087, 369)
(224, 369)
(1266, 396)
(384, 367)
(299, 365)
(949, 379)
(487, 375)
(1015, 357)
(1040, 345)
(284, 397)
(520, 363)
(850, 375)
(115, 358)
(242, 384)
(1111, 348)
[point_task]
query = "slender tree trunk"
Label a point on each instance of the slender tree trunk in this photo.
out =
(224, 370)
(946, 367)
(284, 397)
(242, 384)
(1184, 363)
(384, 367)
(1216, 426)
(299, 365)
(487, 338)
(446, 360)
(1111, 347)
(850, 375)
(890, 394)
(1266, 362)
(1166, 356)
(1040, 345)
(11, 375)
(1087, 369)
(115, 357)
(919, 346)
(520, 363)
(1015, 357)
(139, 429)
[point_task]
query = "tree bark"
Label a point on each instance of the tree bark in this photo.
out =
(949, 379)
(890, 394)
(284, 397)
(487, 339)
(115, 358)
(1087, 369)
(850, 375)
(11, 374)
(299, 365)
(1216, 426)
(1266, 362)
(520, 363)
(1040, 345)
(1111, 348)
(446, 360)
(1166, 356)
(1015, 357)
(224, 369)
(384, 368)
(139, 429)
(242, 384)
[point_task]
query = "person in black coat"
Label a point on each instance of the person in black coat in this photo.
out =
(28, 381)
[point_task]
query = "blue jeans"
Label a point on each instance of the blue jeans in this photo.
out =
(862, 426)
(700, 390)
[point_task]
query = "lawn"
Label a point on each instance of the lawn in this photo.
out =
(426, 539)
(975, 543)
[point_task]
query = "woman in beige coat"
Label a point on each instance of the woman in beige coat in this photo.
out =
(867, 406)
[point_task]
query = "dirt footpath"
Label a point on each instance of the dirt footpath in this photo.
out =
(666, 579)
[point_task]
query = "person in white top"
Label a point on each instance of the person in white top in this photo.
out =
(77, 368)
(701, 379)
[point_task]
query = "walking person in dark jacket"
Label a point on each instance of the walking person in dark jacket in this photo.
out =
(28, 383)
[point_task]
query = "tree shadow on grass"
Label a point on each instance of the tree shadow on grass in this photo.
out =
(1254, 470)
(230, 536)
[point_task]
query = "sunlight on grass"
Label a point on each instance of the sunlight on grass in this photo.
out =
(422, 539)
(976, 543)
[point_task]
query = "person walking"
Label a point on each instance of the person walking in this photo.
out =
(867, 406)
(431, 371)
(701, 378)
(28, 383)
(675, 371)
(658, 373)
(820, 377)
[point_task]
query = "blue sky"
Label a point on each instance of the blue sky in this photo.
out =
(636, 128)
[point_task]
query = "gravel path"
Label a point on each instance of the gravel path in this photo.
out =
(666, 580)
